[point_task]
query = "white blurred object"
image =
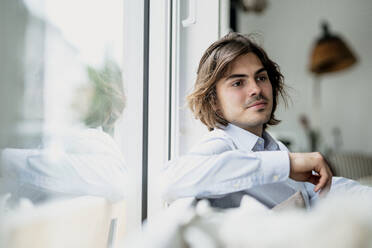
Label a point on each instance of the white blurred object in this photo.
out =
(340, 220)
(80, 222)
(338, 216)
(87, 162)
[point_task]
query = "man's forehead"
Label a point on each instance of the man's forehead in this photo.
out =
(233, 73)
(238, 62)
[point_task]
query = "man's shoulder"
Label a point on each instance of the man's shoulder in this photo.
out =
(214, 142)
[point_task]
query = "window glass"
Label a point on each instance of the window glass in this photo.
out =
(61, 97)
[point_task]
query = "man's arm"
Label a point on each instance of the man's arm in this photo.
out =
(311, 167)
(215, 167)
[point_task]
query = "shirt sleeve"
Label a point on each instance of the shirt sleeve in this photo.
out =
(341, 185)
(216, 167)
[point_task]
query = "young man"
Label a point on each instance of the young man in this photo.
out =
(235, 96)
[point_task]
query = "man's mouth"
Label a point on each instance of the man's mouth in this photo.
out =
(258, 104)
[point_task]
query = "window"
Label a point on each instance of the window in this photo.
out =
(62, 98)
(66, 68)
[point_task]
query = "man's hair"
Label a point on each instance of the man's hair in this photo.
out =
(215, 64)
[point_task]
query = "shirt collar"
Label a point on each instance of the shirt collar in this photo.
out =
(270, 142)
(248, 141)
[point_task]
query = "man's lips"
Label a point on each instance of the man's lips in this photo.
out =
(258, 104)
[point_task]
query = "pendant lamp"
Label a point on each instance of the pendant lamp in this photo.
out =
(330, 53)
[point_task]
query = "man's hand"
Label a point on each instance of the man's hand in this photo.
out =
(302, 166)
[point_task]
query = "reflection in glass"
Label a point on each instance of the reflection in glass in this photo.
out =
(61, 95)
(105, 97)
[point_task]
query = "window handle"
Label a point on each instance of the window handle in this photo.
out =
(191, 19)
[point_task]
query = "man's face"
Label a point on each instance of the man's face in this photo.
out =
(245, 95)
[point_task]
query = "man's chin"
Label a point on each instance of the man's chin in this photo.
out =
(260, 117)
(254, 123)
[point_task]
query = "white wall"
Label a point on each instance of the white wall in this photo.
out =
(288, 29)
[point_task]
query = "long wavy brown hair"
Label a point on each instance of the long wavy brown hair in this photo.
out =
(215, 64)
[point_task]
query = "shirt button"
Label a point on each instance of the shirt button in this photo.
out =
(275, 178)
(236, 185)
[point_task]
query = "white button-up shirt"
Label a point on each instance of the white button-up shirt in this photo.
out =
(232, 162)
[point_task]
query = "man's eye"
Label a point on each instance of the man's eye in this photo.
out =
(237, 84)
(261, 78)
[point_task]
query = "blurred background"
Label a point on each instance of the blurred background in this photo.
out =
(335, 103)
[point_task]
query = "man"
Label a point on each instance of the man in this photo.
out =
(235, 96)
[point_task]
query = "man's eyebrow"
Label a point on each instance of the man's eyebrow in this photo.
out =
(260, 70)
(232, 76)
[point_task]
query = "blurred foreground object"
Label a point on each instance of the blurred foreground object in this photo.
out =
(253, 225)
(89, 222)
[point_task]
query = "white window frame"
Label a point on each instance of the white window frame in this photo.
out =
(162, 135)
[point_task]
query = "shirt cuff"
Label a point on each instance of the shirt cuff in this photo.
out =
(275, 166)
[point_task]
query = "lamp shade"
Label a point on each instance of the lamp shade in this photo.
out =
(330, 54)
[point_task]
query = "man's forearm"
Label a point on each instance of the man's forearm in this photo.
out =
(231, 171)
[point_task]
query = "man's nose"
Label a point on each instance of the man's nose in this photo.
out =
(253, 88)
